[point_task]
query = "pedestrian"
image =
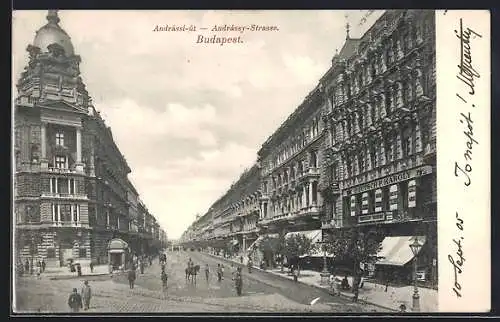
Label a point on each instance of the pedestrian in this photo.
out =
(91, 266)
(207, 272)
(86, 295)
(75, 301)
(142, 266)
(43, 265)
(131, 278)
(219, 273)
(241, 259)
(238, 281)
(27, 266)
(222, 271)
(38, 271)
(79, 269)
(164, 280)
(250, 264)
(295, 272)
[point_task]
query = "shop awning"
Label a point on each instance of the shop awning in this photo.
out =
(396, 251)
(314, 235)
(259, 239)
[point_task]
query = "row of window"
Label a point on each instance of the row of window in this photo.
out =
(291, 173)
(371, 113)
(62, 185)
(393, 50)
(65, 213)
(288, 204)
(298, 142)
(391, 198)
(379, 153)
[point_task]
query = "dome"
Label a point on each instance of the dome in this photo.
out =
(117, 243)
(52, 33)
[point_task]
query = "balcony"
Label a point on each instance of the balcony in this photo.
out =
(63, 195)
(62, 170)
(67, 223)
(312, 172)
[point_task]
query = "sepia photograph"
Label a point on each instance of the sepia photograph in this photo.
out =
(206, 161)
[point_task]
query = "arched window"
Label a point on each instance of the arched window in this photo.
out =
(407, 91)
(314, 160)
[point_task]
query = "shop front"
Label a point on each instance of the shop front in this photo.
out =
(395, 259)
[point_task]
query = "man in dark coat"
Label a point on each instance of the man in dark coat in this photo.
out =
(75, 301)
(43, 265)
(86, 294)
(238, 281)
(131, 278)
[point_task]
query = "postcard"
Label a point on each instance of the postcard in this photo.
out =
(249, 162)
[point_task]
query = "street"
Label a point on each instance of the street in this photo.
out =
(262, 292)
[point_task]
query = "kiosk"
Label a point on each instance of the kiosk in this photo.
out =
(118, 253)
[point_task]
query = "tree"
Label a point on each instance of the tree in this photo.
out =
(269, 246)
(357, 244)
(297, 245)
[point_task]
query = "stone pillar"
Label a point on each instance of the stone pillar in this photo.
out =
(304, 192)
(79, 164)
(244, 245)
(310, 193)
(43, 136)
(123, 259)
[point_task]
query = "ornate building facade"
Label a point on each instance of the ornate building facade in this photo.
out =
(360, 151)
(71, 190)
(380, 153)
(290, 169)
(231, 220)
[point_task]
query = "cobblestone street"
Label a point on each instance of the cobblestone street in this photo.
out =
(262, 292)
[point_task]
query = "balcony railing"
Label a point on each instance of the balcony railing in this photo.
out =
(62, 170)
(67, 223)
(63, 195)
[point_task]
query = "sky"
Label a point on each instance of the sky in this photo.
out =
(190, 117)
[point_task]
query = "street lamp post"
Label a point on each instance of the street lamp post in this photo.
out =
(325, 275)
(415, 248)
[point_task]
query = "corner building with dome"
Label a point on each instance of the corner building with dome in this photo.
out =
(72, 195)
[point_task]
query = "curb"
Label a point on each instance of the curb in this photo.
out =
(315, 286)
(69, 277)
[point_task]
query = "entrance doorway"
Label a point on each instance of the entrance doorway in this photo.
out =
(64, 255)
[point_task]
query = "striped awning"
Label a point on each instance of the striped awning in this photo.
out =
(396, 251)
(314, 235)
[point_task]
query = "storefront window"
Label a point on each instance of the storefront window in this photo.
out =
(403, 187)
(385, 199)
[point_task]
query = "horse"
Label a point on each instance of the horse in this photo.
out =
(191, 273)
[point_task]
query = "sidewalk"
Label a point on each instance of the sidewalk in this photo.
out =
(371, 293)
(64, 272)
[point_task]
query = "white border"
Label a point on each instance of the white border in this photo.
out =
(473, 202)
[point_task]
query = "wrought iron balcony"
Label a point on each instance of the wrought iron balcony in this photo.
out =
(62, 195)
